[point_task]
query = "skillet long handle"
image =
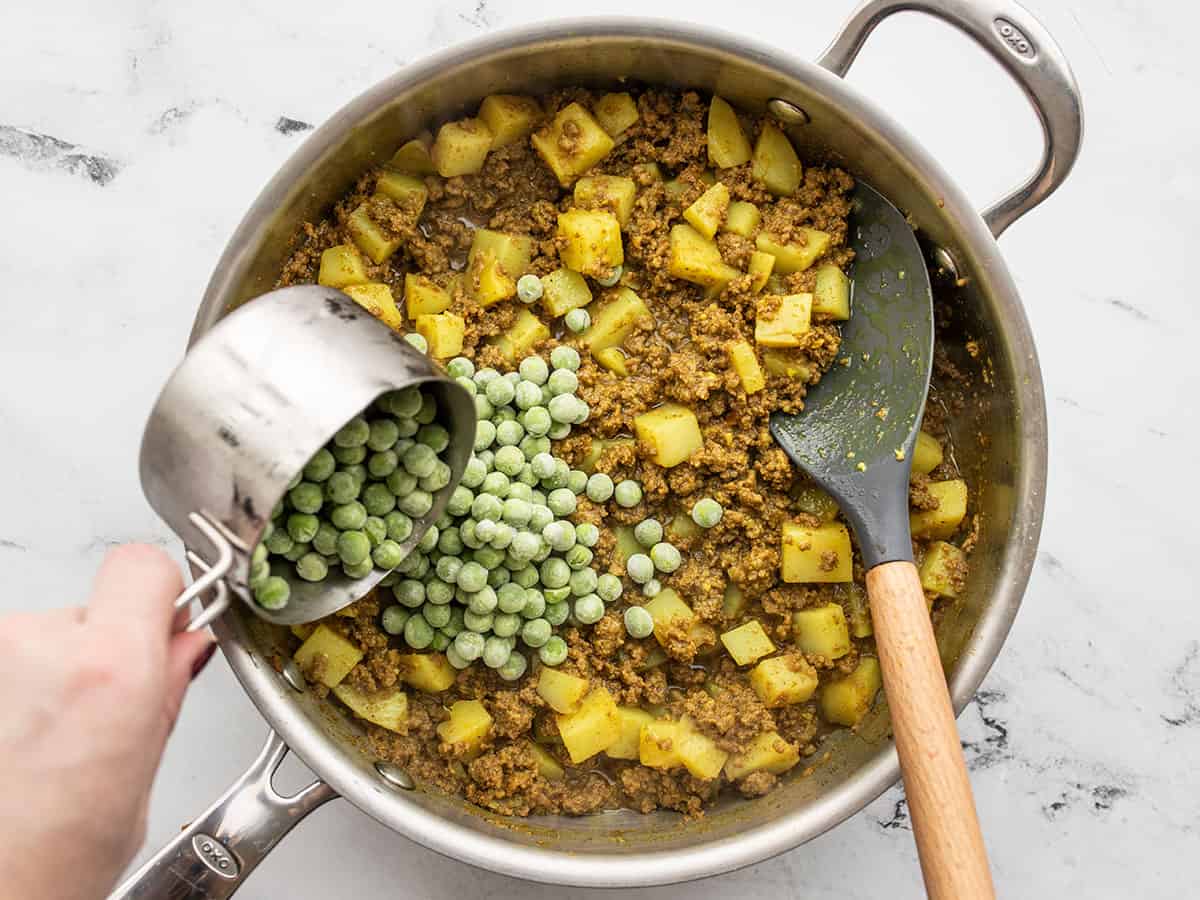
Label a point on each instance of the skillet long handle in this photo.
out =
(953, 857)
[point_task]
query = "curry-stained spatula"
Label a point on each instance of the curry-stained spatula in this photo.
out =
(855, 438)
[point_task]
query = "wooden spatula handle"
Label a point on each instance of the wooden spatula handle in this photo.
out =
(949, 842)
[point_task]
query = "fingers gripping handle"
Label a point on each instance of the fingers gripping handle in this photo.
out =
(1017, 41)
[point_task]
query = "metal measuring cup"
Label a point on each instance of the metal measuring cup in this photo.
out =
(250, 404)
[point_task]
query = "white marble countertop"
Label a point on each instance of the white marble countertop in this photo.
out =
(134, 135)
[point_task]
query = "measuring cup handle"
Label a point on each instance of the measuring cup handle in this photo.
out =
(1017, 41)
(212, 575)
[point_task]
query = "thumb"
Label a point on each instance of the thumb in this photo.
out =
(187, 654)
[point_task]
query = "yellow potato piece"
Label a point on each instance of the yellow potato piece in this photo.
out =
(775, 165)
(831, 295)
(796, 255)
(742, 218)
(512, 251)
(369, 237)
(413, 158)
(444, 332)
(377, 299)
(526, 332)
(783, 321)
(509, 118)
(745, 362)
(612, 359)
(406, 191)
(819, 555)
(927, 454)
(570, 156)
(727, 144)
(590, 241)
(760, 268)
(747, 643)
(461, 147)
(613, 193)
(671, 431)
(699, 753)
(941, 523)
(422, 297)
(487, 281)
(822, 631)
(767, 753)
(563, 291)
(548, 767)
(787, 363)
(342, 266)
(695, 258)
(846, 700)
(783, 680)
(468, 727)
(387, 708)
(659, 743)
(627, 745)
(944, 569)
(561, 690)
(667, 609)
(613, 320)
(707, 213)
(592, 728)
(327, 656)
(429, 672)
(616, 112)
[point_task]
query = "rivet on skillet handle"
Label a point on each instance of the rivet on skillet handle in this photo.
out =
(211, 858)
(1017, 41)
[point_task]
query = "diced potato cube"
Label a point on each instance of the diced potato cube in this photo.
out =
(509, 118)
(671, 431)
(822, 631)
(342, 266)
(927, 454)
(819, 555)
(632, 720)
(597, 448)
(590, 241)
(783, 680)
(376, 299)
(613, 320)
(727, 144)
(563, 291)
(707, 213)
(413, 159)
(745, 362)
(858, 611)
(627, 544)
(816, 502)
(742, 218)
(592, 728)
(326, 656)
(487, 281)
(548, 766)
(682, 527)
(569, 156)
(616, 112)
(613, 359)
(767, 753)
(369, 237)
(654, 657)
(747, 643)
(303, 629)
(760, 268)
(406, 191)
(831, 295)
(698, 753)
(512, 251)
(775, 165)
(675, 188)
(787, 363)
(659, 744)
(561, 690)
(847, 699)
(468, 727)
(942, 522)
(422, 297)
(783, 321)
(695, 258)
(796, 255)
(733, 601)
(428, 672)
(461, 147)
(526, 331)
(613, 193)
(647, 173)
(444, 332)
(387, 708)
(668, 610)
(944, 570)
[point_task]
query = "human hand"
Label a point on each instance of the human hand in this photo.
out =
(89, 696)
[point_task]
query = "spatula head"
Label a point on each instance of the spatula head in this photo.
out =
(856, 433)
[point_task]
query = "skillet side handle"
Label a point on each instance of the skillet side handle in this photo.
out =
(1017, 41)
(211, 858)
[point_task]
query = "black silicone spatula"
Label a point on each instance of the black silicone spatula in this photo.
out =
(855, 438)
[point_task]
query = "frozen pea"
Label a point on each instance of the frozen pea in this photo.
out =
(555, 572)
(349, 516)
(448, 567)
(435, 615)
(399, 483)
(418, 460)
(638, 622)
(358, 570)
(503, 414)
(559, 535)
(628, 493)
(437, 479)
(529, 288)
(578, 557)
(375, 529)
(577, 320)
(353, 434)
(320, 467)
(524, 545)
(577, 481)
(417, 632)
(503, 536)
(460, 367)
(562, 381)
(561, 501)
(454, 657)
(509, 460)
(562, 408)
(506, 624)
(411, 565)
(394, 619)
(479, 623)
(440, 642)
(537, 420)
(438, 592)
(495, 484)
(510, 598)
(278, 542)
(272, 593)
(526, 576)
(519, 490)
(487, 457)
(665, 556)
(483, 408)
(609, 587)
(556, 613)
(599, 487)
(558, 478)
(403, 403)
(516, 512)
(565, 358)
(460, 500)
(428, 411)
(535, 603)
(382, 434)
(408, 427)
(302, 527)
(527, 478)
(469, 645)
(471, 577)
(589, 609)
(378, 500)
(652, 588)
(349, 456)
(583, 581)
(325, 539)
(707, 512)
(513, 377)
(648, 532)
(466, 531)
(527, 395)
(611, 278)
(542, 465)
(421, 345)
(509, 434)
(297, 551)
(383, 463)
(485, 376)
(312, 567)
(353, 547)
(389, 579)
(536, 632)
(306, 497)
(489, 557)
(434, 436)
(587, 534)
(534, 370)
(450, 543)
(473, 473)
(399, 526)
(500, 392)
(467, 384)
(540, 516)
(486, 507)
(553, 652)
(416, 503)
(514, 667)
(409, 593)
(387, 555)
(559, 430)
(358, 472)
(639, 568)
(531, 445)
(495, 650)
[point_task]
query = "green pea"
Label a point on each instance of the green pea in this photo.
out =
(565, 357)
(429, 539)
(471, 577)
(488, 557)
(562, 381)
(417, 632)
(455, 625)
(496, 484)
(279, 542)
(506, 624)
(353, 434)
(514, 667)
(408, 427)
(563, 408)
(639, 568)
(509, 434)
(707, 512)
(665, 556)
(375, 529)
(556, 613)
(428, 411)
(542, 465)
(411, 566)
(540, 516)
(561, 501)
(358, 472)
(526, 576)
(509, 459)
(599, 487)
(587, 534)
(589, 609)
(583, 582)
(503, 537)
(648, 532)
(358, 570)
(394, 619)
(402, 403)
(387, 555)
(399, 526)
(260, 570)
(559, 430)
(534, 603)
(349, 516)
(460, 367)
(302, 527)
(410, 593)
(389, 579)
(553, 652)
(483, 601)
(383, 434)
(535, 632)
(485, 376)
(297, 551)
(528, 479)
(559, 477)
(487, 457)
(609, 587)
(518, 490)
(312, 567)
(418, 460)
(450, 543)
(531, 445)
(272, 593)
(555, 572)
(382, 464)
(529, 288)
(469, 645)
(578, 557)
(454, 658)
(478, 623)
(652, 588)
(434, 436)
(473, 473)
(628, 493)
(378, 500)
(437, 616)
(401, 483)
(349, 456)
(483, 407)
(495, 650)
(440, 642)
(438, 592)
(341, 487)
(353, 547)
(320, 467)
(306, 497)
(638, 622)
(577, 320)
(417, 503)
(527, 395)
(500, 392)
(559, 535)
